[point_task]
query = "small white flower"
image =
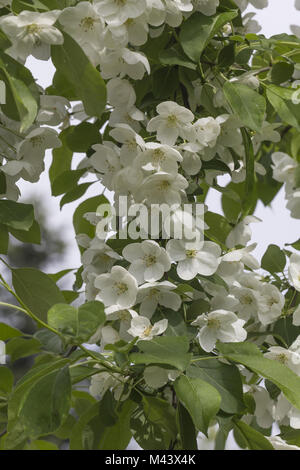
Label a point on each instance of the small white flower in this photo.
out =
(123, 62)
(83, 23)
(219, 325)
(162, 188)
(294, 271)
(172, 121)
(106, 161)
(283, 167)
(288, 357)
(116, 12)
(192, 259)
(132, 143)
(264, 407)
(157, 293)
(271, 303)
(279, 444)
(148, 260)
(117, 288)
(53, 109)
(159, 158)
(142, 328)
(32, 33)
(284, 409)
(241, 234)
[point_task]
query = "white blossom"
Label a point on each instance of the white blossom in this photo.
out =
(142, 328)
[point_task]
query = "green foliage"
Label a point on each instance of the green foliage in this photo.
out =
(201, 400)
(78, 325)
(70, 60)
(273, 260)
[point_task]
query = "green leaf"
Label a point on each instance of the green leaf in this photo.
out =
(118, 436)
(160, 413)
(79, 324)
(4, 239)
(33, 235)
(174, 56)
(80, 138)
(21, 92)
(42, 445)
(36, 290)
(81, 225)
(273, 260)
(198, 30)
(226, 56)
(219, 228)
(200, 399)
(250, 356)
(251, 438)
(281, 100)
(281, 72)
(224, 378)
(247, 104)
(54, 391)
(66, 181)
(74, 194)
(295, 244)
(171, 350)
(6, 380)
(50, 341)
(8, 332)
(186, 428)
(70, 60)
(16, 431)
(93, 423)
(17, 348)
(16, 215)
(61, 158)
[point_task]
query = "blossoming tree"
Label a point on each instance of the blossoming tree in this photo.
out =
(175, 333)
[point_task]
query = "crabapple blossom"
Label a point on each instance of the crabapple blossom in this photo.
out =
(118, 288)
(153, 294)
(294, 271)
(221, 325)
(148, 261)
(172, 121)
(194, 259)
(142, 328)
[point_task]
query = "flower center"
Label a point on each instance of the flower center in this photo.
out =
(281, 358)
(87, 23)
(246, 300)
(121, 288)
(172, 120)
(191, 253)
(213, 323)
(36, 141)
(158, 156)
(164, 185)
(33, 28)
(147, 331)
(149, 260)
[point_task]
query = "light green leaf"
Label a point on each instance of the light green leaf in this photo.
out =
(200, 399)
(247, 104)
(199, 29)
(171, 350)
(250, 356)
(251, 438)
(8, 332)
(79, 324)
(17, 348)
(281, 100)
(6, 380)
(224, 378)
(273, 260)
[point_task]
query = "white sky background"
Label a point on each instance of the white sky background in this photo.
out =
(277, 226)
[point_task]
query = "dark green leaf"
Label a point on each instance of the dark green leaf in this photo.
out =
(36, 290)
(273, 260)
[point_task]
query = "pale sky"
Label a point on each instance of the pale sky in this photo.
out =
(277, 226)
